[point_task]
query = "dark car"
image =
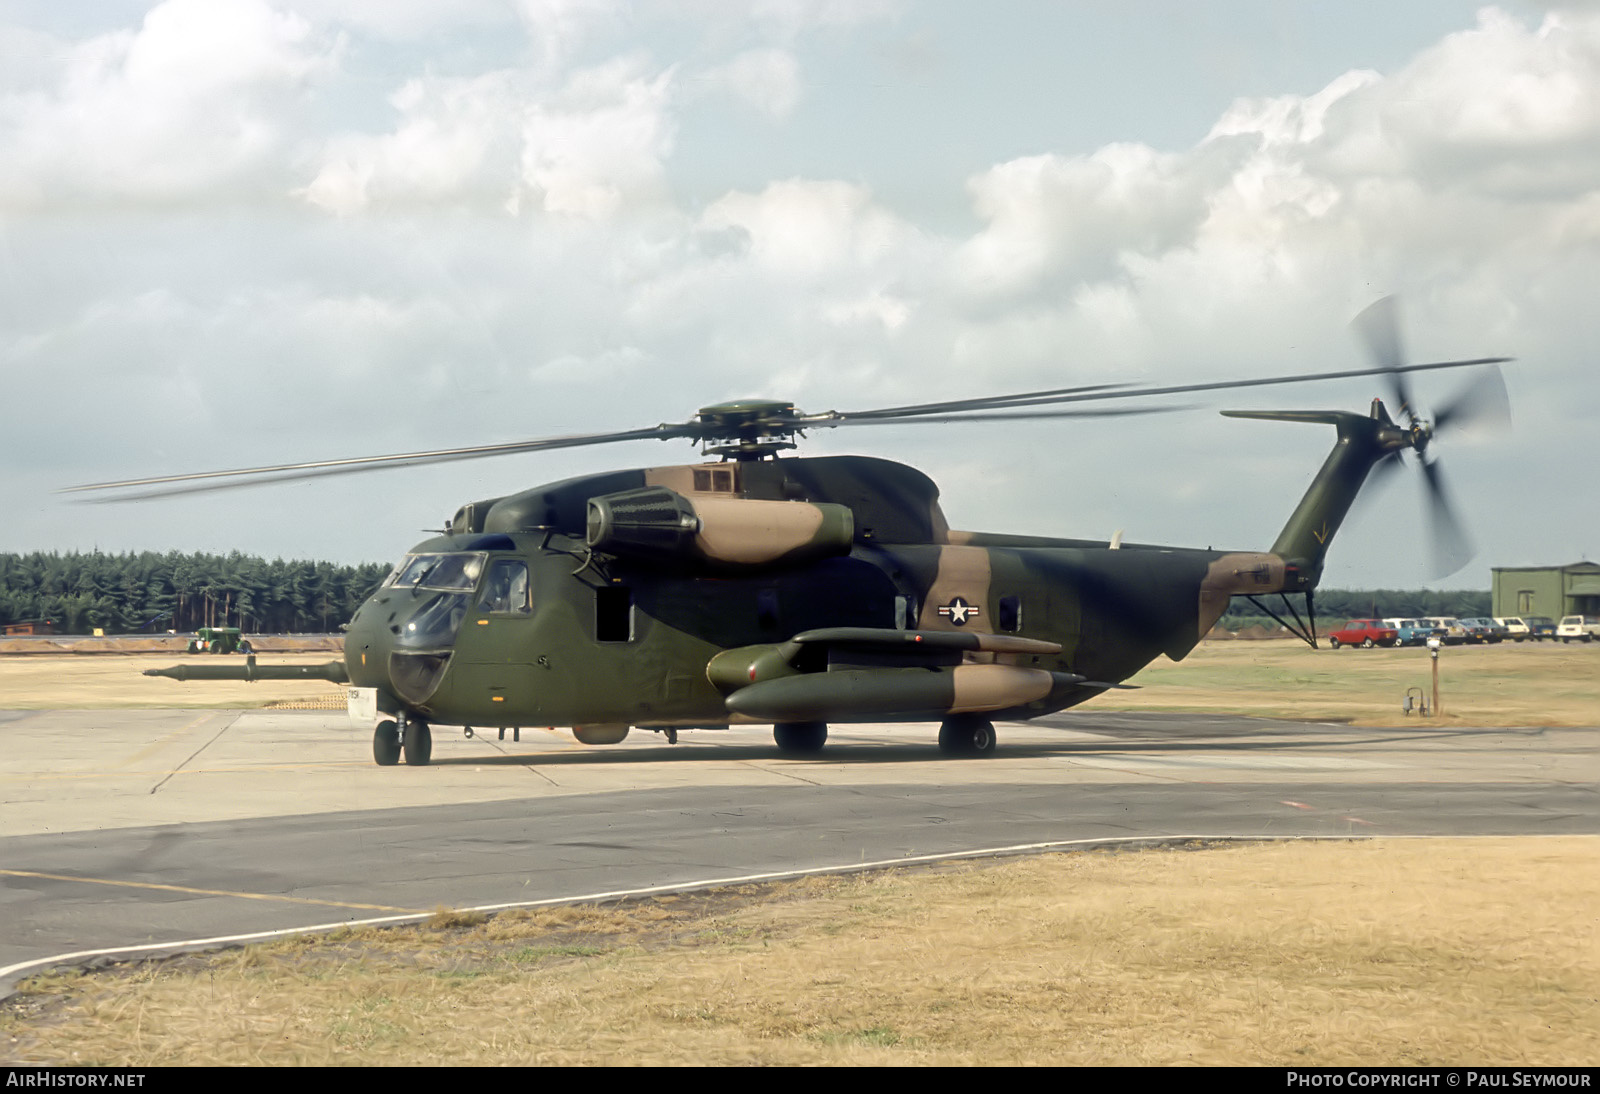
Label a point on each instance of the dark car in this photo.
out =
(1540, 627)
(1365, 633)
(1483, 630)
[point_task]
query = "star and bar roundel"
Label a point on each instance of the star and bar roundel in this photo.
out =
(959, 610)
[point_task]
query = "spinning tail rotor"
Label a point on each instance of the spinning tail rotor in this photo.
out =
(1481, 403)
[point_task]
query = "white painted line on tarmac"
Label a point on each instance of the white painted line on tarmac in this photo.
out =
(11, 974)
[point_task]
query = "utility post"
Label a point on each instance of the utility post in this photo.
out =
(1433, 651)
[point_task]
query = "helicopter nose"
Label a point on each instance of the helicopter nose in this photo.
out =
(368, 641)
(416, 641)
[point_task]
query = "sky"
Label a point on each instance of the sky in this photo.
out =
(242, 232)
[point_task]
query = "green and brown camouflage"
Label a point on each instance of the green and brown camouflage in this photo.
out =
(793, 591)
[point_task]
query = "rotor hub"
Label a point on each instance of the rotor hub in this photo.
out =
(748, 429)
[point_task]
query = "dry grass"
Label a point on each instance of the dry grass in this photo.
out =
(1512, 684)
(1396, 952)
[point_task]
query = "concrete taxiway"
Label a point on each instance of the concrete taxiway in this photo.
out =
(153, 827)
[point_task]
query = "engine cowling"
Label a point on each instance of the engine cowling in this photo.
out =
(732, 533)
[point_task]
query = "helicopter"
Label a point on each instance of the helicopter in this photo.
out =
(756, 587)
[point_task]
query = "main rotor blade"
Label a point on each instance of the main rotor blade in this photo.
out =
(1452, 547)
(1001, 416)
(1483, 402)
(316, 468)
(1078, 396)
(950, 411)
(983, 402)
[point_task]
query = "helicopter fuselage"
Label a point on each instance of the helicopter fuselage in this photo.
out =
(793, 592)
(625, 624)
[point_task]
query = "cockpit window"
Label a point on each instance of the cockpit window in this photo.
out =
(506, 588)
(458, 570)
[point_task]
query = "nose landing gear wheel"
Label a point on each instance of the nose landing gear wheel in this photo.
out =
(417, 740)
(967, 735)
(800, 737)
(386, 743)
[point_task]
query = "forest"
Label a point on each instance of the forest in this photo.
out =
(146, 592)
(154, 593)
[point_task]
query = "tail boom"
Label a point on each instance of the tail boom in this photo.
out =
(1364, 441)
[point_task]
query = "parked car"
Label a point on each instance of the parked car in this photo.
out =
(1532, 628)
(1585, 628)
(1365, 633)
(1540, 627)
(1413, 632)
(1483, 629)
(1454, 633)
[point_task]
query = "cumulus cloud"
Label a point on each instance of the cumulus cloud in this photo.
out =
(495, 236)
(558, 28)
(1485, 143)
(502, 140)
(456, 141)
(193, 100)
(602, 141)
(1053, 215)
(803, 228)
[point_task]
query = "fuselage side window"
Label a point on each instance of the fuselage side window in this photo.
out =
(506, 588)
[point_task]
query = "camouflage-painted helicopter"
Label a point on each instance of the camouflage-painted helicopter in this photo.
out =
(801, 591)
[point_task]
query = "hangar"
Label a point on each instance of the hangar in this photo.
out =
(1554, 591)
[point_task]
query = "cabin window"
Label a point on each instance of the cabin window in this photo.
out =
(506, 588)
(458, 570)
(1010, 613)
(613, 614)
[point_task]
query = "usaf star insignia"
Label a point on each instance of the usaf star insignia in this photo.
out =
(958, 611)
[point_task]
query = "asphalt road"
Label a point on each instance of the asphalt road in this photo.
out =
(156, 828)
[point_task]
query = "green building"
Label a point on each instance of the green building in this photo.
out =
(1554, 591)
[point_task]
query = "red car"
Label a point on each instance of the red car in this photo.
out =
(1365, 633)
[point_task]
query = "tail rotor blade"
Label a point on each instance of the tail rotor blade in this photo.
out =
(1384, 471)
(1379, 328)
(1482, 403)
(1452, 548)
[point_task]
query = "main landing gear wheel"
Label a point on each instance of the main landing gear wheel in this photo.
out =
(967, 735)
(417, 740)
(386, 743)
(800, 737)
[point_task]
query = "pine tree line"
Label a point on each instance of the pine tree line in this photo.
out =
(149, 592)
